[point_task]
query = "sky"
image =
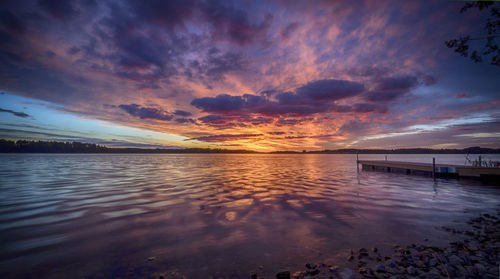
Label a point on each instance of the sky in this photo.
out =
(257, 75)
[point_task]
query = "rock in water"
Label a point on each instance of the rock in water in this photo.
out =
(334, 269)
(313, 271)
(283, 275)
(380, 268)
(311, 266)
(411, 271)
(347, 274)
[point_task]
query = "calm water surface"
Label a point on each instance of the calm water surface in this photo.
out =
(102, 216)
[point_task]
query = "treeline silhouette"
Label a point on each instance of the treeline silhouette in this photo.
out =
(26, 146)
(468, 150)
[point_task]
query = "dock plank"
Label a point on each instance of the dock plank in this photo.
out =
(441, 169)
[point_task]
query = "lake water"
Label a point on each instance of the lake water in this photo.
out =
(103, 216)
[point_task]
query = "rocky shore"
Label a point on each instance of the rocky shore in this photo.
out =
(476, 255)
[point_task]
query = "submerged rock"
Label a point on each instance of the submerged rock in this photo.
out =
(334, 269)
(411, 271)
(380, 268)
(283, 275)
(311, 265)
(313, 271)
(347, 274)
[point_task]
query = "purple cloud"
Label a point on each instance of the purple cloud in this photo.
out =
(234, 23)
(390, 88)
(402, 83)
(225, 137)
(145, 112)
(182, 113)
(314, 97)
(223, 103)
(58, 9)
(288, 30)
(11, 21)
(185, 120)
(330, 90)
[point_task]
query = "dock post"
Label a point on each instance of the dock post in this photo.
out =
(434, 168)
(357, 161)
(480, 164)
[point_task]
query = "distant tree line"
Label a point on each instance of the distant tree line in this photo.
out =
(468, 150)
(26, 146)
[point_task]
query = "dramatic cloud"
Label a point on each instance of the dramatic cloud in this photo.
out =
(330, 90)
(182, 113)
(11, 21)
(288, 30)
(354, 72)
(225, 137)
(16, 113)
(145, 112)
(311, 98)
(221, 103)
(234, 24)
(388, 89)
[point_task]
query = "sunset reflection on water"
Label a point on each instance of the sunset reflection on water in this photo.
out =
(105, 215)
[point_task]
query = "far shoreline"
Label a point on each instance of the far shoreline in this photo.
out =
(44, 147)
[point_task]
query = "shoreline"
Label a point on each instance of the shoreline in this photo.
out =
(475, 255)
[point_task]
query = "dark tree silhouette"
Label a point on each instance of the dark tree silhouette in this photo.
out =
(25, 146)
(462, 45)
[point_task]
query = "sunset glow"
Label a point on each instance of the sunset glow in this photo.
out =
(257, 75)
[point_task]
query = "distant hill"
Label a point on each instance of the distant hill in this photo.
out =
(25, 146)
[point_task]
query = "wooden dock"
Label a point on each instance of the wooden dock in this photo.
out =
(439, 170)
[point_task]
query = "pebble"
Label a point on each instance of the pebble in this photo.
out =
(283, 275)
(411, 270)
(334, 269)
(311, 265)
(380, 268)
(347, 274)
(363, 270)
(313, 271)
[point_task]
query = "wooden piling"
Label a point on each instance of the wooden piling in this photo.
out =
(434, 168)
(357, 161)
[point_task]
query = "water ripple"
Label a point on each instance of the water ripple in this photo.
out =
(98, 215)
